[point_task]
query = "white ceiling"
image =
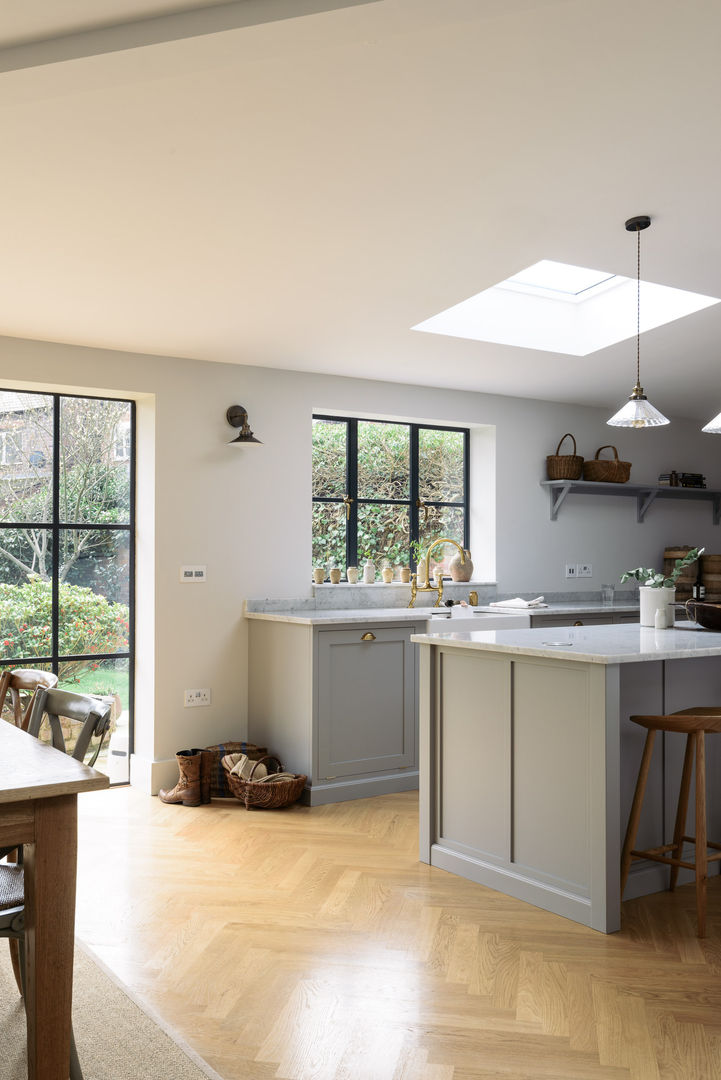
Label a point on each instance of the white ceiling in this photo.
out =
(299, 192)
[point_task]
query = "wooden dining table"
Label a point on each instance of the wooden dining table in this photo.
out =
(38, 808)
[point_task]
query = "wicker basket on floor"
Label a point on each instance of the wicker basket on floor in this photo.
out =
(608, 472)
(219, 787)
(267, 794)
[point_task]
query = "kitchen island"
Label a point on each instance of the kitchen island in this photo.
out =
(528, 760)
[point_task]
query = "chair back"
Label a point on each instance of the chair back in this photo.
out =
(26, 679)
(92, 712)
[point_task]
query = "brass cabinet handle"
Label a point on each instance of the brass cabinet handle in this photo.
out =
(368, 636)
(578, 622)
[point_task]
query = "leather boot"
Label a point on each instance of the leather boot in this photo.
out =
(187, 789)
(206, 772)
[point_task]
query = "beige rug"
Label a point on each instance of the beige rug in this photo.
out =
(116, 1039)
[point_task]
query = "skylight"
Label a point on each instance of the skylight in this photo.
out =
(556, 307)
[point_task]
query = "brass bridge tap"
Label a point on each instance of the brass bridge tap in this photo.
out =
(427, 587)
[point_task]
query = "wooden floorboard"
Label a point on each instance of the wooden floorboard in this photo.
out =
(310, 944)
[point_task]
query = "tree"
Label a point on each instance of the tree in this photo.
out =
(94, 488)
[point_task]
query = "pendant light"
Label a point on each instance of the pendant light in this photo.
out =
(714, 426)
(638, 412)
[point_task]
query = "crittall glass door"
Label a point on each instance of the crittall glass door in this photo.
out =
(67, 549)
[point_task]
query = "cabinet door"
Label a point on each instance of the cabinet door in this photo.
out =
(366, 701)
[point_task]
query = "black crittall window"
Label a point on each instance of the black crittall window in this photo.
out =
(67, 486)
(385, 490)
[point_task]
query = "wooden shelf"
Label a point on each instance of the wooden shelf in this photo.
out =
(645, 494)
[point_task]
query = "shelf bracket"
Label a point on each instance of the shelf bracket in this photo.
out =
(557, 497)
(644, 499)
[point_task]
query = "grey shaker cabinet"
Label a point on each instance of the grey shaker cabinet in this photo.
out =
(341, 709)
(366, 701)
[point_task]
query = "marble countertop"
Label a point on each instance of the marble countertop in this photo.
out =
(333, 616)
(587, 608)
(623, 643)
(421, 613)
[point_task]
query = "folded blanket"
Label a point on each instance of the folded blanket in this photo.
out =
(518, 603)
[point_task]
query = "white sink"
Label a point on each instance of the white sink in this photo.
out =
(442, 623)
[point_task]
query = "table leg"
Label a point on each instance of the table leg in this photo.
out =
(50, 869)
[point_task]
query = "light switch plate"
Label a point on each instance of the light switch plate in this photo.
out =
(193, 573)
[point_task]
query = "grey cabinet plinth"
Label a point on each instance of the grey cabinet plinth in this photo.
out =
(339, 705)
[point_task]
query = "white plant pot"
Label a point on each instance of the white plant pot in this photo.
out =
(651, 600)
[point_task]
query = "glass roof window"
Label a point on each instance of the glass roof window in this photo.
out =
(556, 307)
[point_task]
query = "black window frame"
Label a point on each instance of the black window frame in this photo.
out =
(413, 502)
(54, 658)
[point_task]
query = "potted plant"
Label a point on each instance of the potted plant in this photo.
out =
(386, 571)
(417, 552)
(658, 590)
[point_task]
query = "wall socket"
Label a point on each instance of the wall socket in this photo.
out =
(584, 569)
(193, 698)
(570, 570)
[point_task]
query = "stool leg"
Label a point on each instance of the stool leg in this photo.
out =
(682, 808)
(635, 814)
(701, 849)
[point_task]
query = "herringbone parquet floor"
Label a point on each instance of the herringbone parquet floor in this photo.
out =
(310, 944)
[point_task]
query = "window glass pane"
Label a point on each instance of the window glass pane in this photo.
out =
(384, 533)
(26, 454)
(108, 679)
(94, 479)
(383, 461)
(440, 465)
(443, 521)
(25, 598)
(329, 458)
(94, 592)
(25, 553)
(25, 695)
(329, 525)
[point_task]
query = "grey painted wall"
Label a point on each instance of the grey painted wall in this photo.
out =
(245, 512)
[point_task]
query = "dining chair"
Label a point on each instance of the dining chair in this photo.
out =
(94, 715)
(23, 680)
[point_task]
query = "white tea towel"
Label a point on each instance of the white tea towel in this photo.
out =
(517, 602)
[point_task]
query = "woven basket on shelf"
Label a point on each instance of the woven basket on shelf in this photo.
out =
(608, 472)
(564, 466)
(267, 794)
(219, 787)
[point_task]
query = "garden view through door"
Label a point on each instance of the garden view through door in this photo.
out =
(66, 549)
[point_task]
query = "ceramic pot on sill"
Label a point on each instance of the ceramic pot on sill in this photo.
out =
(461, 571)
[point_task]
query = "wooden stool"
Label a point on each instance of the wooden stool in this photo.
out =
(23, 679)
(694, 723)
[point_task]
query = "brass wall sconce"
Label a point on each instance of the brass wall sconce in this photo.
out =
(237, 417)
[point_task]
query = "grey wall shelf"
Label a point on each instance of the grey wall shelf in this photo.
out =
(645, 494)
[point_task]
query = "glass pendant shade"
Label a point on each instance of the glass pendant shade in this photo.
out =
(714, 426)
(638, 412)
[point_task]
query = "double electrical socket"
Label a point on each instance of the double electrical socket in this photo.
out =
(194, 698)
(579, 570)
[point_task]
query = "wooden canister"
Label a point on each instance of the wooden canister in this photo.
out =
(711, 571)
(689, 574)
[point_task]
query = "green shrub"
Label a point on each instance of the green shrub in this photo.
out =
(88, 622)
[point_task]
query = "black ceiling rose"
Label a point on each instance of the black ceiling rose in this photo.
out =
(636, 224)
